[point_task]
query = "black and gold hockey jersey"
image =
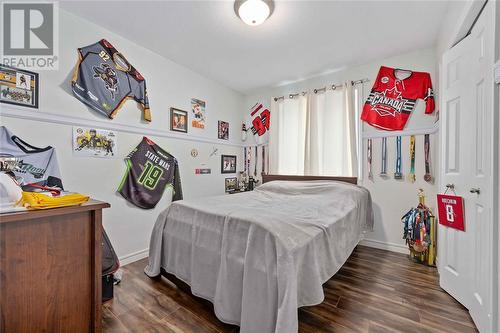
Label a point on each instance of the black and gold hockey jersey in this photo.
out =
(104, 80)
(150, 170)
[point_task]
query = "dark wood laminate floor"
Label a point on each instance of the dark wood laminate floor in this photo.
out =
(376, 291)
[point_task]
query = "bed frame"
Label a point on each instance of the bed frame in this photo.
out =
(265, 178)
(268, 178)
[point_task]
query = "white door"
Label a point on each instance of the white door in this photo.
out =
(479, 209)
(454, 254)
(466, 258)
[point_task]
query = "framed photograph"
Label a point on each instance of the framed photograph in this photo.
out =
(231, 184)
(223, 130)
(178, 120)
(18, 87)
(228, 164)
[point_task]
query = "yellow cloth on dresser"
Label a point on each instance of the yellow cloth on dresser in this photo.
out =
(33, 200)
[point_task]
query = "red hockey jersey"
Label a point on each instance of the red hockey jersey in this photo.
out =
(392, 99)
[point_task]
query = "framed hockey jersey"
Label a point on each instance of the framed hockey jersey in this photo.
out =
(104, 80)
(150, 169)
(394, 96)
(258, 123)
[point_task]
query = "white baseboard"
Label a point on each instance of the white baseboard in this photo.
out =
(132, 257)
(385, 246)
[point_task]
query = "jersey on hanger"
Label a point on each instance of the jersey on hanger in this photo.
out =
(392, 99)
(38, 165)
(150, 170)
(104, 80)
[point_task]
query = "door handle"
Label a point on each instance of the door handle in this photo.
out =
(475, 190)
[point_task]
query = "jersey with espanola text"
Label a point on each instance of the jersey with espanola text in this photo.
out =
(104, 80)
(393, 98)
(150, 169)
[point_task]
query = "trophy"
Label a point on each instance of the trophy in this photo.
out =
(10, 190)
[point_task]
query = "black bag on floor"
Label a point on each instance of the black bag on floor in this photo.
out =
(110, 264)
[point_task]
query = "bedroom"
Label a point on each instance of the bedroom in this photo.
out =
(261, 181)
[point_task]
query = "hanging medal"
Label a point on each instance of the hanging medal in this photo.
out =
(247, 161)
(411, 176)
(255, 166)
(398, 174)
(427, 147)
(262, 167)
(383, 172)
(245, 156)
(267, 159)
(369, 158)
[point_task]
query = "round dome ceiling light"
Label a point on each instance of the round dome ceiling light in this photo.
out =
(253, 12)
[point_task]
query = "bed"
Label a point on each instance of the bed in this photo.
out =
(258, 256)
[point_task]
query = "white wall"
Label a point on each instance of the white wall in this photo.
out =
(392, 198)
(497, 107)
(169, 85)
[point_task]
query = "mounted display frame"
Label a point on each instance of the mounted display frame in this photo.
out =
(228, 163)
(230, 184)
(18, 87)
(178, 120)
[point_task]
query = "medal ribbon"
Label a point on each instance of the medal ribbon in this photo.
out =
(412, 159)
(245, 156)
(384, 157)
(427, 146)
(255, 166)
(398, 174)
(267, 159)
(249, 155)
(369, 157)
(263, 165)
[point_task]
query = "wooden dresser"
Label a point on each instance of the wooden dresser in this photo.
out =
(50, 270)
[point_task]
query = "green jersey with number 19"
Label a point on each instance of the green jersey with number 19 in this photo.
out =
(150, 170)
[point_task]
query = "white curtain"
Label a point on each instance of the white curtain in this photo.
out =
(315, 134)
(287, 135)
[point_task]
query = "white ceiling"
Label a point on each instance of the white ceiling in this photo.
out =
(301, 39)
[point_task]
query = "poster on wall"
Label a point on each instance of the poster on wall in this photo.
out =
(18, 87)
(198, 108)
(94, 142)
(223, 130)
(258, 123)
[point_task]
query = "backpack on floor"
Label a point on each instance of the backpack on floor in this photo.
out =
(110, 265)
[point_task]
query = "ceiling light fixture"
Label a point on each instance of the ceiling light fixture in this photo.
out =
(253, 12)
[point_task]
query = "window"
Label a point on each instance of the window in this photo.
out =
(316, 134)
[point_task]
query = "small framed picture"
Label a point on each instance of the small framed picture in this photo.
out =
(18, 87)
(228, 164)
(178, 120)
(223, 127)
(231, 184)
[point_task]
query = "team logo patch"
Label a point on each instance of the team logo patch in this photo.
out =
(108, 76)
(390, 103)
(384, 79)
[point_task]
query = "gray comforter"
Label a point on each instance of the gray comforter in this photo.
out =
(260, 255)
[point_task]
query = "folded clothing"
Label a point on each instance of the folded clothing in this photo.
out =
(34, 200)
